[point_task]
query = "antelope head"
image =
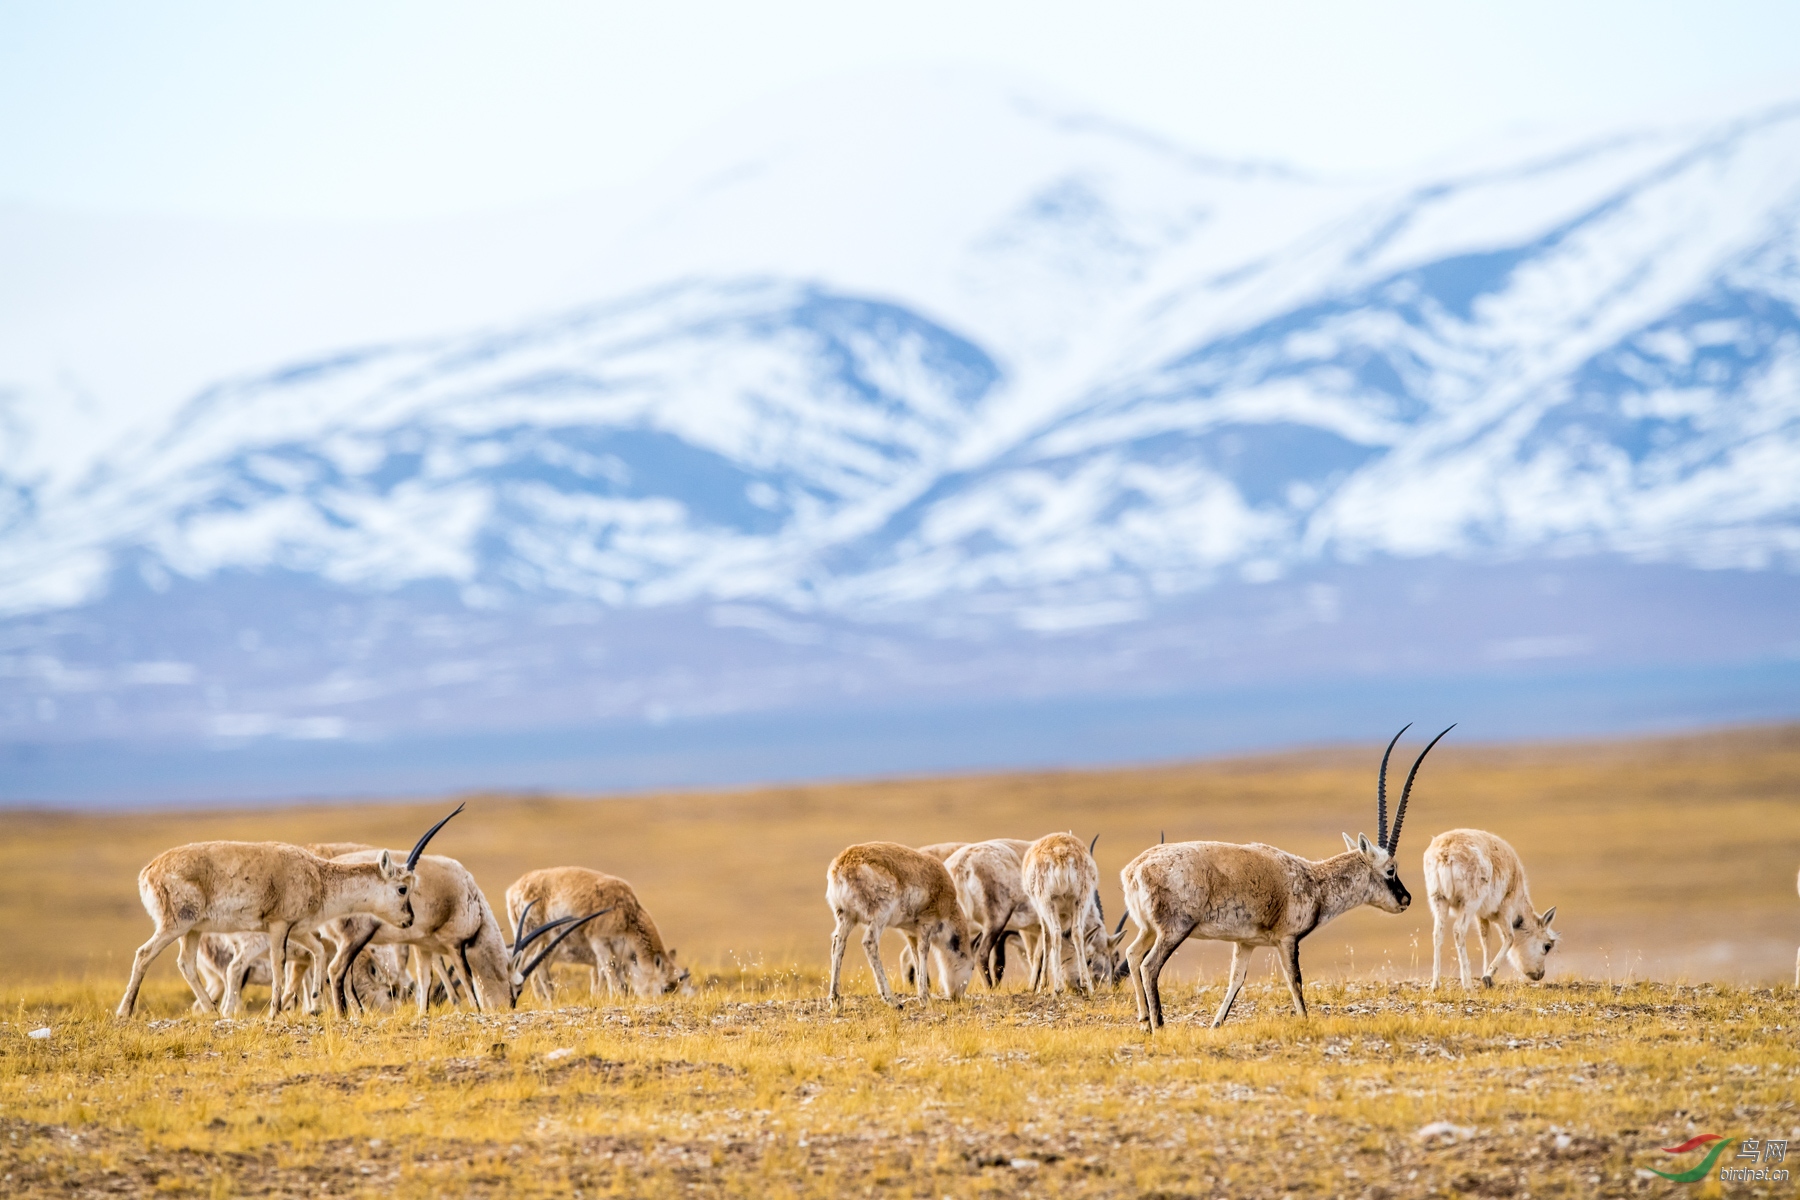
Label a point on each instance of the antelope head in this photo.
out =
(1386, 892)
(402, 877)
(1532, 942)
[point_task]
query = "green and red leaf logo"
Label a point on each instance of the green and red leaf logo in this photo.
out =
(1706, 1165)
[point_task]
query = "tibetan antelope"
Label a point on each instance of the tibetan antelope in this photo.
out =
(884, 885)
(942, 852)
(1473, 877)
(625, 950)
(990, 889)
(1256, 895)
(264, 887)
(454, 934)
(1062, 882)
(229, 961)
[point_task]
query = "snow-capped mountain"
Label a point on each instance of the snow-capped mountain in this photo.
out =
(918, 375)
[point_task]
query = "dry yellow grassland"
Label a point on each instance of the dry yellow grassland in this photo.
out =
(1667, 1012)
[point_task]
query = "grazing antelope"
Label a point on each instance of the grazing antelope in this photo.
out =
(624, 950)
(266, 887)
(942, 852)
(1473, 877)
(991, 890)
(1255, 895)
(1062, 882)
(884, 885)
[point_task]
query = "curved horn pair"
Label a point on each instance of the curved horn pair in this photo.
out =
(547, 951)
(522, 943)
(1405, 792)
(412, 860)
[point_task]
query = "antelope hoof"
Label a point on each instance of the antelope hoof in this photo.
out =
(1487, 981)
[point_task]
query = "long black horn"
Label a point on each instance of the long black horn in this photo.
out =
(1381, 792)
(1400, 813)
(1099, 908)
(1092, 844)
(524, 943)
(547, 951)
(1162, 836)
(412, 860)
(1121, 927)
(519, 929)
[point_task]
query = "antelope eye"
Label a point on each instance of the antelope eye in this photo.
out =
(403, 889)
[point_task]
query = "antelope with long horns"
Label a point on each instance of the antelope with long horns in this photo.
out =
(884, 885)
(454, 931)
(1256, 895)
(1472, 877)
(260, 887)
(625, 951)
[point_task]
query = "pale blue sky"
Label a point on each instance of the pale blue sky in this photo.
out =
(405, 109)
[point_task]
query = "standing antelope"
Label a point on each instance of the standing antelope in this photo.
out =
(232, 960)
(1063, 883)
(1255, 895)
(1473, 877)
(884, 885)
(267, 887)
(628, 946)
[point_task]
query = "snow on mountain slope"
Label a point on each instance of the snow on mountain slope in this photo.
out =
(951, 348)
(701, 439)
(1595, 354)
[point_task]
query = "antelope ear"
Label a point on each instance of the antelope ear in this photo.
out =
(1349, 844)
(1549, 914)
(1365, 845)
(387, 865)
(1518, 922)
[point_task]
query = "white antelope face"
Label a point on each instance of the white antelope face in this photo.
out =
(397, 909)
(1533, 939)
(1386, 892)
